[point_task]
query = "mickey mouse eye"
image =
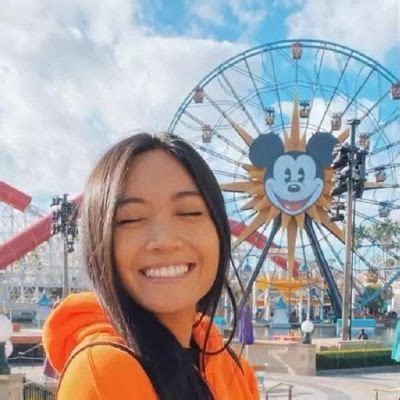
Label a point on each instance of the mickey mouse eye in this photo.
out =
(301, 175)
(288, 175)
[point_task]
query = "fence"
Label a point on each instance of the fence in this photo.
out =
(34, 391)
(353, 359)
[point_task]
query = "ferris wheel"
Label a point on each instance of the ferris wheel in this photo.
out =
(270, 122)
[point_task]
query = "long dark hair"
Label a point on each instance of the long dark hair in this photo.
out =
(159, 350)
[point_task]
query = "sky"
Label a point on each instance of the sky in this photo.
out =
(77, 76)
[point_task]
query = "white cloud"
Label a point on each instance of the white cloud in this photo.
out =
(243, 15)
(360, 24)
(78, 75)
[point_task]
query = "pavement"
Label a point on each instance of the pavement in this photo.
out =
(345, 385)
(333, 385)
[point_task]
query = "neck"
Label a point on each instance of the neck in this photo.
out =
(180, 324)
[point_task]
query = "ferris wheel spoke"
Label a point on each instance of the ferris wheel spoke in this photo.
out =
(277, 90)
(240, 102)
(384, 148)
(283, 86)
(358, 91)
(239, 211)
(256, 77)
(366, 262)
(297, 67)
(324, 267)
(369, 218)
(372, 108)
(254, 84)
(340, 65)
(389, 207)
(237, 198)
(217, 134)
(275, 227)
(334, 91)
(331, 247)
(334, 252)
(315, 86)
(378, 243)
(230, 174)
(380, 128)
(214, 153)
(389, 166)
(224, 113)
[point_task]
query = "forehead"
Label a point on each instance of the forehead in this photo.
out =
(294, 160)
(156, 172)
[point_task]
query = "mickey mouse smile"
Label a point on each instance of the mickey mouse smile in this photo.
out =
(293, 206)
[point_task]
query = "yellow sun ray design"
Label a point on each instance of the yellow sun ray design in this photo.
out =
(265, 209)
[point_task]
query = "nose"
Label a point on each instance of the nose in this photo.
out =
(294, 188)
(163, 237)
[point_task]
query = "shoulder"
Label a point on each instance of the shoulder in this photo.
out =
(243, 372)
(104, 371)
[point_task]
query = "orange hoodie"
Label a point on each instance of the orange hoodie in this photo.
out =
(105, 372)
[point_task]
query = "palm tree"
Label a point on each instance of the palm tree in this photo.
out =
(386, 233)
(360, 232)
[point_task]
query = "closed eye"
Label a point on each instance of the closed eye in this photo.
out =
(191, 214)
(130, 221)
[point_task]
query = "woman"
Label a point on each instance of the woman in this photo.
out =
(156, 245)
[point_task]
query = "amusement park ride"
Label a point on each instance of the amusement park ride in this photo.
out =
(272, 122)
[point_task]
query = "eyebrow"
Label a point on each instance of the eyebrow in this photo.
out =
(176, 196)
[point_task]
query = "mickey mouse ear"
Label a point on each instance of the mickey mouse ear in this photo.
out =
(265, 149)
(320, 147)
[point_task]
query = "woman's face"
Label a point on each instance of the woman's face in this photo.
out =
(166, 245)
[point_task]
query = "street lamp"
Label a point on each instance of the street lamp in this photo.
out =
(348, 265)
(307, 328)
(64, 222)
(6, 330)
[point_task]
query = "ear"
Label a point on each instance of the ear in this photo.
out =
(320, 147)
(265, 149)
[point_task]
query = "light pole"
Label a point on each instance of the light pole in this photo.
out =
(307, 328)
(64, 222)
(349, 234)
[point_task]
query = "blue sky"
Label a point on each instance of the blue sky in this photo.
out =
(79, 75)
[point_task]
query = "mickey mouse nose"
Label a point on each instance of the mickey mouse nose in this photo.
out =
(294, 188)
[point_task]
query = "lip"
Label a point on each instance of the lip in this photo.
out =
(293, 206)
(167, 279)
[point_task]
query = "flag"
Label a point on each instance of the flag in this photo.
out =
(246, 335)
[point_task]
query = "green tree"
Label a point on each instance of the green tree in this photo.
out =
(386, 233)
(374, 306)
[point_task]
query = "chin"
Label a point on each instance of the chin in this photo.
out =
(168, 306)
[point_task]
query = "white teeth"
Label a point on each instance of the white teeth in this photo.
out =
(166, 272)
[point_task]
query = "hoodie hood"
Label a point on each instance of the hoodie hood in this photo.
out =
(80, 317)
(76, 318)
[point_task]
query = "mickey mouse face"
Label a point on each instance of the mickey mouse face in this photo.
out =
(294, 180)
(293, 185)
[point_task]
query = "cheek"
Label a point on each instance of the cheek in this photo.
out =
(207, 245)
(125, 248)
(207, 242)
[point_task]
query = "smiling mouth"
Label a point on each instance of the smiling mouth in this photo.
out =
(167, 272)
(293, 206)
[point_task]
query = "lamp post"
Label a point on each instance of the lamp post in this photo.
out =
(346, 324)
(307, 328)
(64, 222)
(6, 330)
